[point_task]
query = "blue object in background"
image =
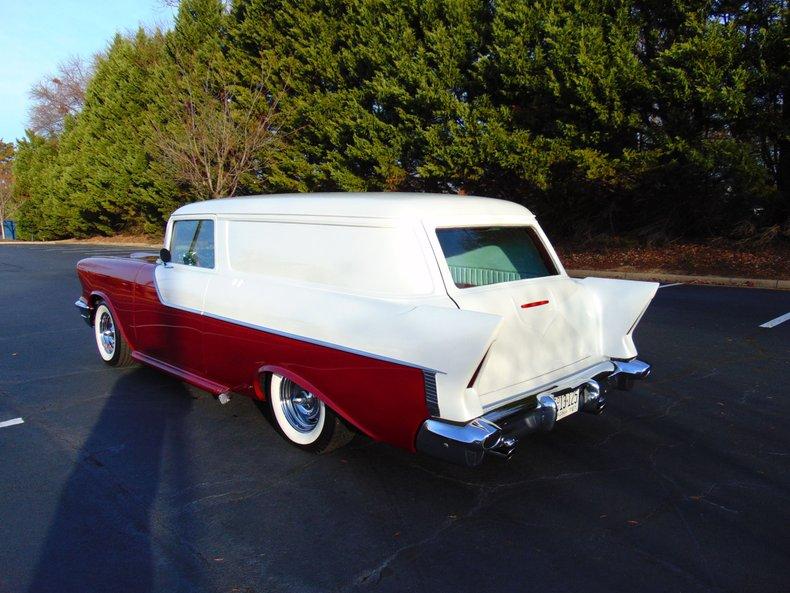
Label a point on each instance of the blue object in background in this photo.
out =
(9, 226)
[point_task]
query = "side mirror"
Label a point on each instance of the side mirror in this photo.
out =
(164, 255)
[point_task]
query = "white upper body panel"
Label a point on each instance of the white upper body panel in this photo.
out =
(389, 205)
(365, 273)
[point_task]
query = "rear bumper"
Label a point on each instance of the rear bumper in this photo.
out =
(498, 432)
(84, 310)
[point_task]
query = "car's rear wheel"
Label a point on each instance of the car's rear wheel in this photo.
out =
(113, 349)
(303, 419)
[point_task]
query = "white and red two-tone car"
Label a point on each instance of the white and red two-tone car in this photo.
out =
(437, 323)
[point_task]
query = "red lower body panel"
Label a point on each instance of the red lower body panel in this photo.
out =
(384, 400)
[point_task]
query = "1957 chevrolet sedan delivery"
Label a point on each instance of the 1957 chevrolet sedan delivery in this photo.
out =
(437, 323)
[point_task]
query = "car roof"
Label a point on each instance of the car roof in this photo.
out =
(362, 205)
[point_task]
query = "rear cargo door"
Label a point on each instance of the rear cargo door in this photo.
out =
(507, 268)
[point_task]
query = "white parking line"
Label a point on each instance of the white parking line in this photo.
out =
(668, 285)
(11, 422)
(777, 321)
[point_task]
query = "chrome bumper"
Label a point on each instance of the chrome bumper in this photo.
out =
(498, 432)
(84, 310)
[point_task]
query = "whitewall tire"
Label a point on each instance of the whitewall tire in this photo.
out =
(113, 349)
(303, 419)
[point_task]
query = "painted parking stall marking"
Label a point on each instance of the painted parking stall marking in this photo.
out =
(777, 321)
(12, 422)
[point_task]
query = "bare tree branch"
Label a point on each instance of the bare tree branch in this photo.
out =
(214, 141)
(58, 96)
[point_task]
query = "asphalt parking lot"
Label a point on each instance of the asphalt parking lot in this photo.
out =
(125, 480)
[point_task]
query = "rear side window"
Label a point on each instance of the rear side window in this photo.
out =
(478, 256)
(380, 260)
(193, 243)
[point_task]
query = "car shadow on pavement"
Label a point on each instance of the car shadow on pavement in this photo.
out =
(104, 535)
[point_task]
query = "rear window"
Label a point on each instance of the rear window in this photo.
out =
(478, 256)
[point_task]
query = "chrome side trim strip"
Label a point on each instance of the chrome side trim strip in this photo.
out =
(188, 376)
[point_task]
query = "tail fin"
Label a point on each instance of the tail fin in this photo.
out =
(621, 305)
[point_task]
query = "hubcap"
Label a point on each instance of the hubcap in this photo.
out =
(107, 333)
(301, 408)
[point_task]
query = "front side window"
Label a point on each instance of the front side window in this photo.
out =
(193, 243)
(478, 256)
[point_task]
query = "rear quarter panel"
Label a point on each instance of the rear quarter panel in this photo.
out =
(382, 399)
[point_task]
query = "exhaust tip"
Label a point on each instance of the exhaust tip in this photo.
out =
(594, 398)
(503, 448)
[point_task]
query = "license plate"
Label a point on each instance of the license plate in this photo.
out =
(567, 402)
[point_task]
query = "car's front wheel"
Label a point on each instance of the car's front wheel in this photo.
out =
(113, 349)
(303, 419)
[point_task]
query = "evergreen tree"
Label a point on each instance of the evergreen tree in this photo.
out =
(623, 116)
(104, 178)
(217, 133)
(35, 189)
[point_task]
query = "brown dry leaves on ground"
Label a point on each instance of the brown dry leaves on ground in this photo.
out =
(125, 239)
(121, 240)
(732, 260)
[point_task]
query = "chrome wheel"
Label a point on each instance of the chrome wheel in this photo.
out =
(302, 417)
(107, 333)
(301, 409)
(110, 343)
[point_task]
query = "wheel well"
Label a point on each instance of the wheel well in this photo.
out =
(262, 388)
(261, 385)
(93, 301)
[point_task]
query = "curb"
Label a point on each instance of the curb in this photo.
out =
(667, 277)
